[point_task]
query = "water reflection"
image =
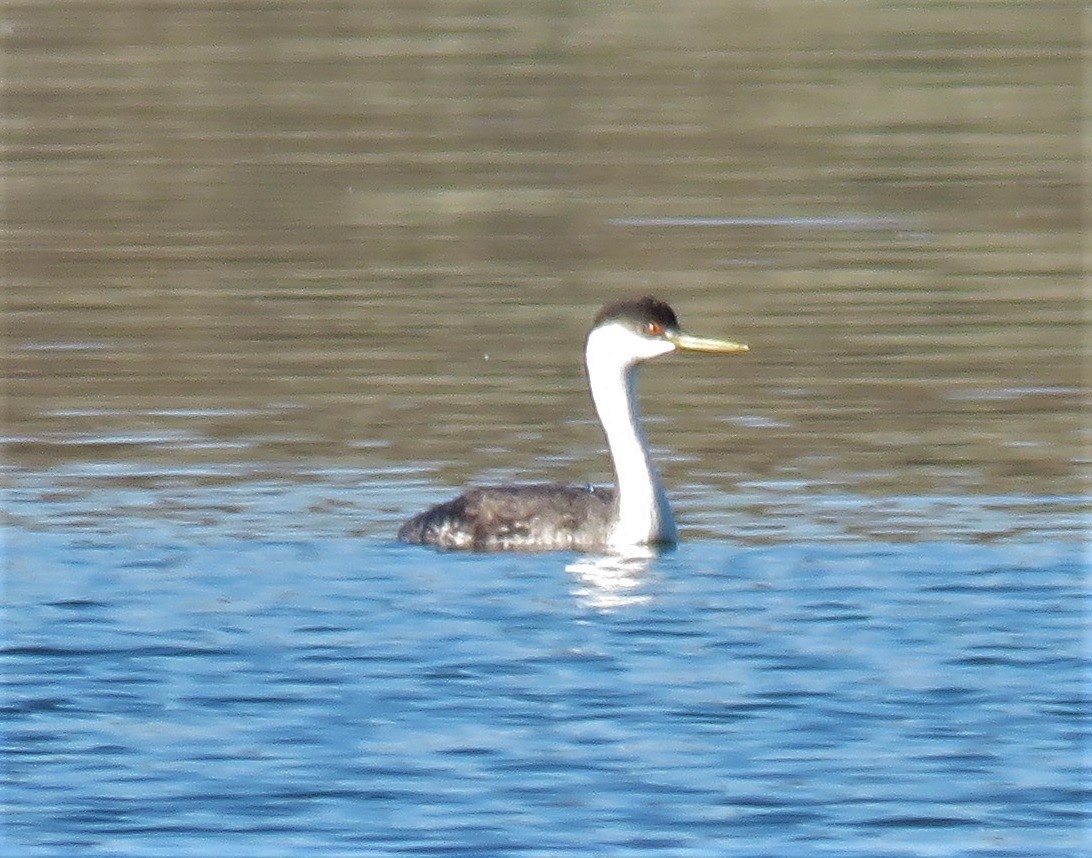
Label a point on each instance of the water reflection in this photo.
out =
(352, 250)
(824, 222)
(610, 582)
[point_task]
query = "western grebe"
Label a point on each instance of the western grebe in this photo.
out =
(553, 517)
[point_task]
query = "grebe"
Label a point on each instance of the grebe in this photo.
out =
(554, 517)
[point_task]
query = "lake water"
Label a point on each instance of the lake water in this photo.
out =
(278, 276)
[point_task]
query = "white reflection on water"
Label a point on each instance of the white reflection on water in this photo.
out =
(614, 581)
(826, 222)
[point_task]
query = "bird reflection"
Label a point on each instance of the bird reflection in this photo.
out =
(613, 581)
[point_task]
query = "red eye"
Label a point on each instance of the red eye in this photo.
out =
(653, 329)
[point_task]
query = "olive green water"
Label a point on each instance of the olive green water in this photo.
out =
(293, 235)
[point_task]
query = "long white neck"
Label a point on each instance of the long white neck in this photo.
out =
(644, 515)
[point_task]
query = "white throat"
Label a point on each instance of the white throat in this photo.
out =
(612, 354)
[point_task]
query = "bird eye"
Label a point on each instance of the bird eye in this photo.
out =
(653, 329)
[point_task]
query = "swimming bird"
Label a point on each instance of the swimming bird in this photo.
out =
(584, 518)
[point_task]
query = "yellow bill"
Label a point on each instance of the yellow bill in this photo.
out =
(704, 344)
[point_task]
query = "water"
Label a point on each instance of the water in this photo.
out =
(230, 668)
(278, 277)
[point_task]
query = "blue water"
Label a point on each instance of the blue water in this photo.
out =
(195, 680)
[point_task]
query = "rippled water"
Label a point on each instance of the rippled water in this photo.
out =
(174, 686)
(278, 276)
(198, 669)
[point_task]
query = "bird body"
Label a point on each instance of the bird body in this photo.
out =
(554, 517)
(543, 517)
